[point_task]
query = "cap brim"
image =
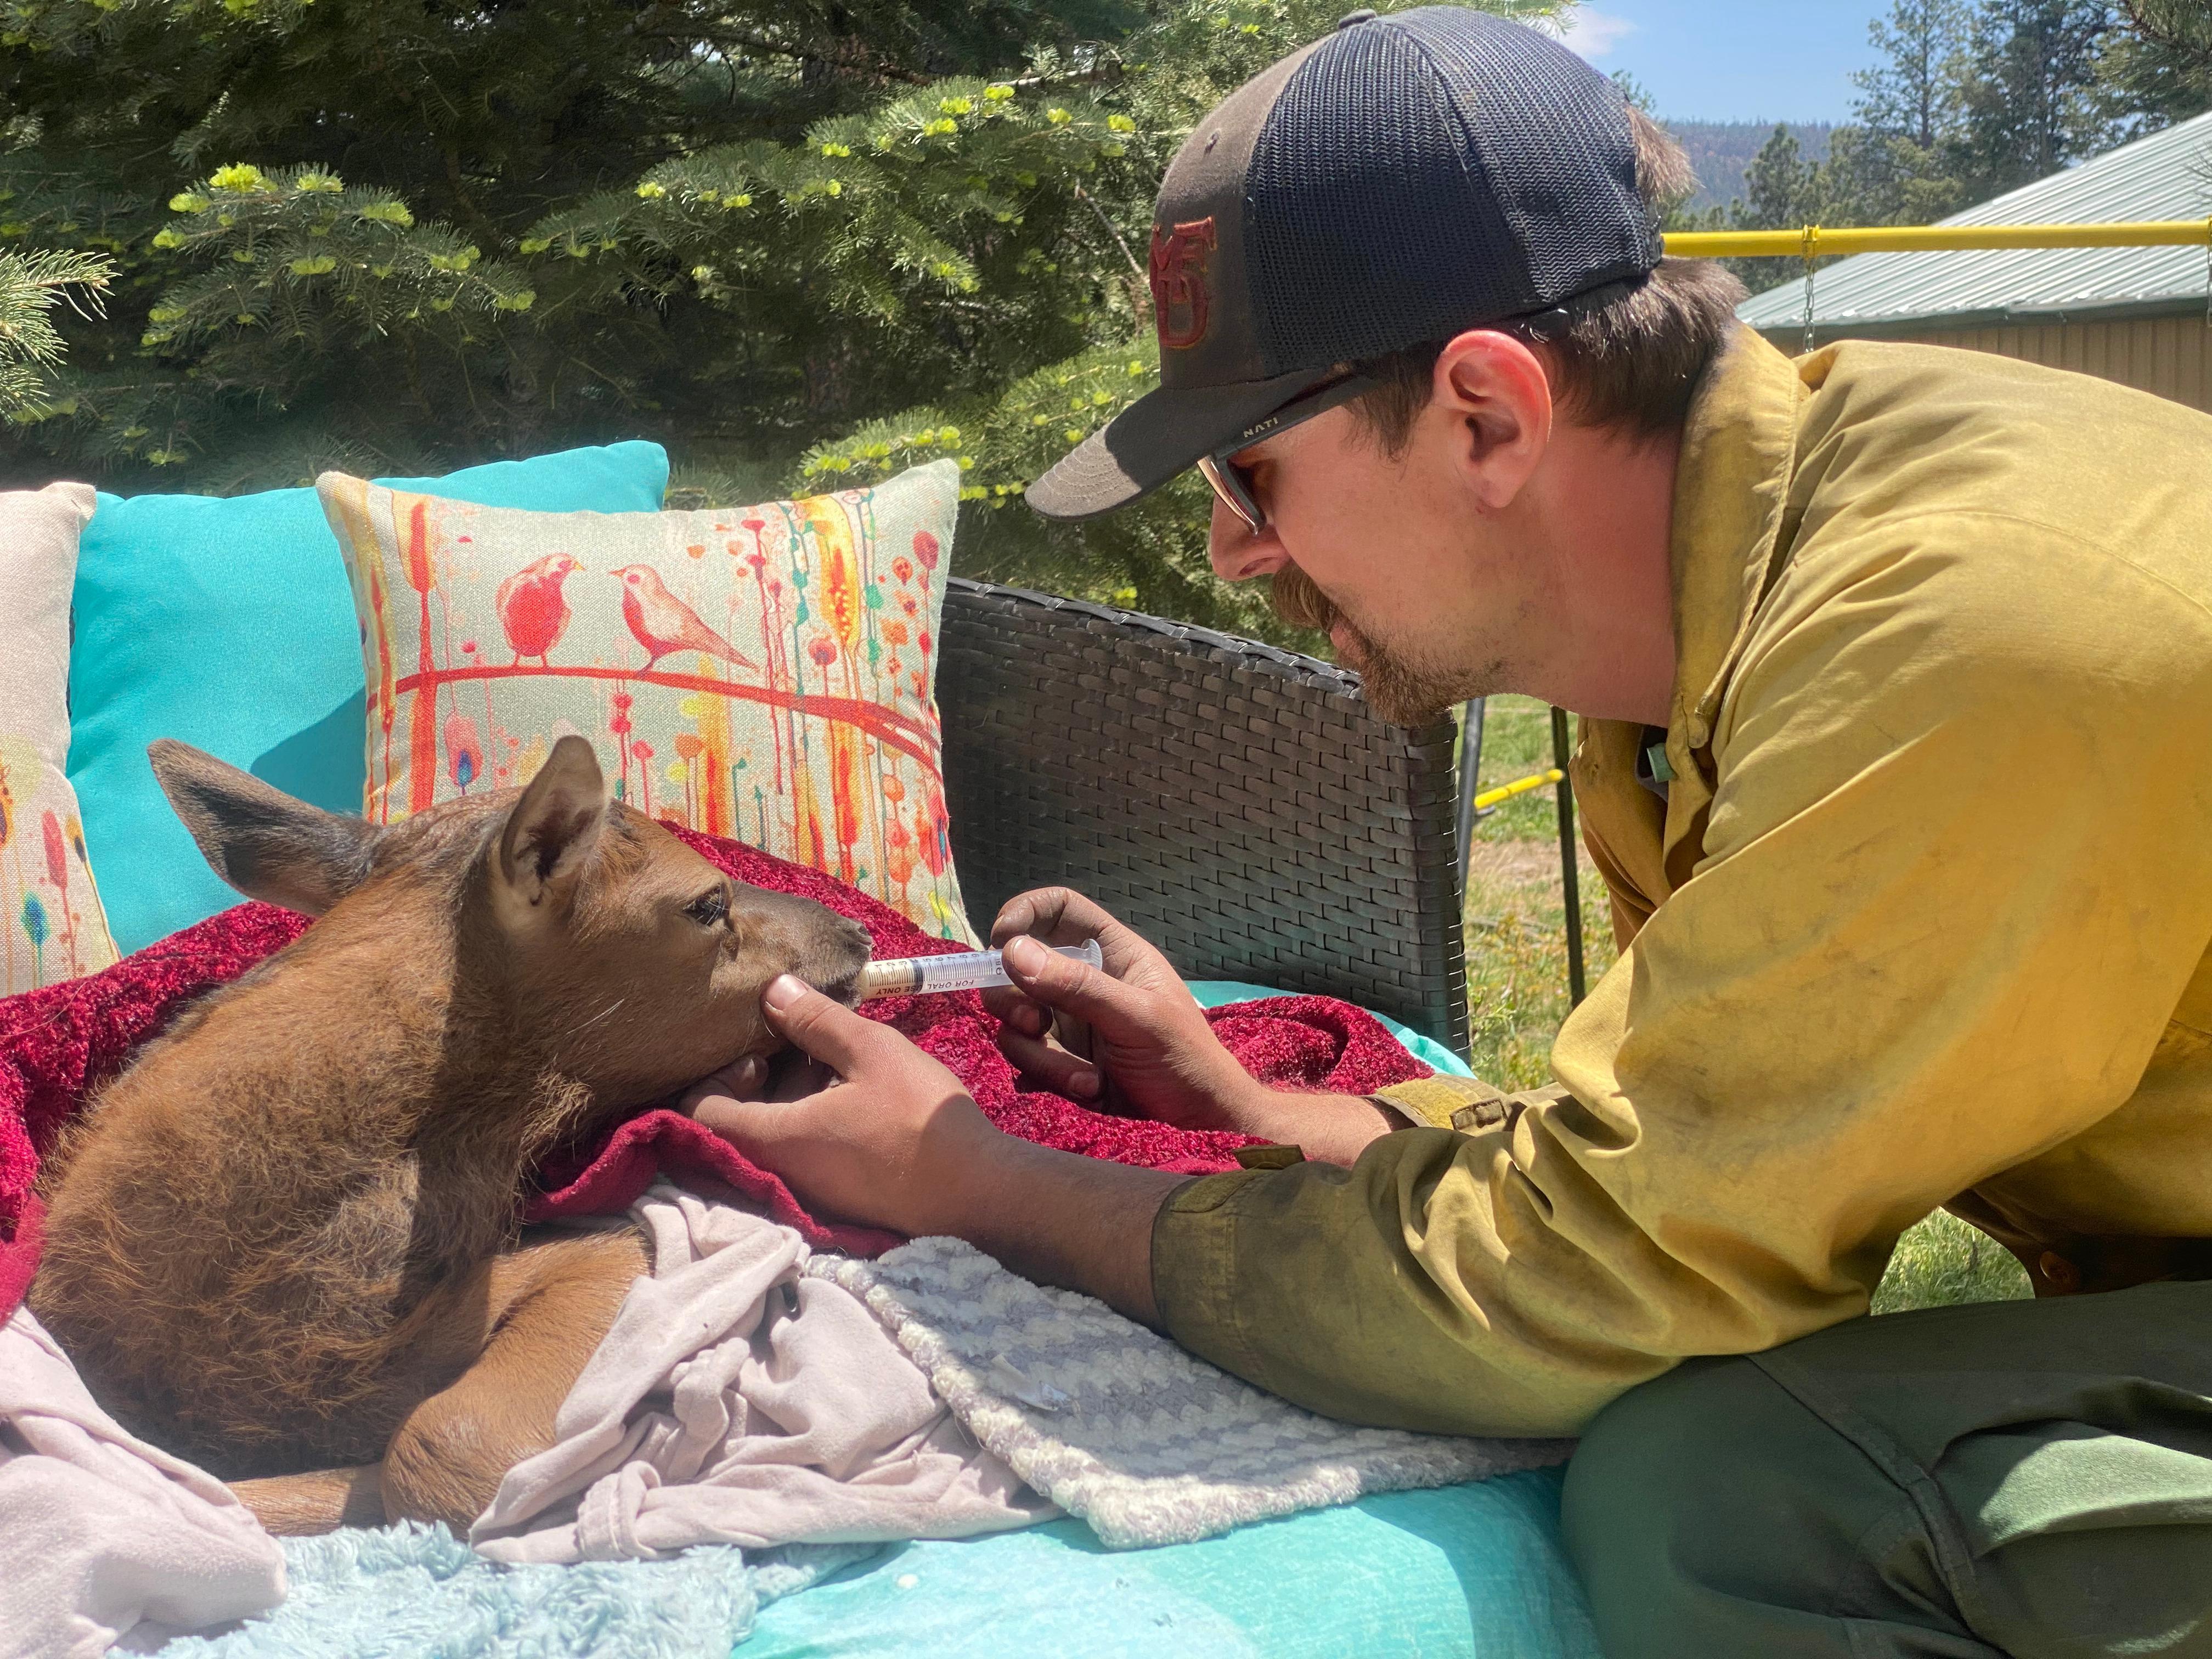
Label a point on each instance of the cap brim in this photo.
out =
(1160, 434)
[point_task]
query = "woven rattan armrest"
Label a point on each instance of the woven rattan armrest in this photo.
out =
(1239, 805)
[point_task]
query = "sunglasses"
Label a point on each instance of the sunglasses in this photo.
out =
(1233, 484)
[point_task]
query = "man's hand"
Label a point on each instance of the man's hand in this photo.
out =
(888, 1136)
(884, 1134)
(1130, 1036)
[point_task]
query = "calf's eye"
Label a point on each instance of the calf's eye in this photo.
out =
(709, 909)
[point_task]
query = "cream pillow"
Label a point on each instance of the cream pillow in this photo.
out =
(51, 926)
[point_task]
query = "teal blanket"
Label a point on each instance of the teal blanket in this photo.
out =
(1464, 1572)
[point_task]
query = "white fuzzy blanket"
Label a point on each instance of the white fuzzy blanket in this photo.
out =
(1147, 1443)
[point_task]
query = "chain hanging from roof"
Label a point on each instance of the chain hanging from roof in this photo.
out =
(1812, 240)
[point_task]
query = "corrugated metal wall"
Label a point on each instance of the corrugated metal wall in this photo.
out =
(2169, 356)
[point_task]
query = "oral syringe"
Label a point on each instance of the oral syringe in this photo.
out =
(970, 971)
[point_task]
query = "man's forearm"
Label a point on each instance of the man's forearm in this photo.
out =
(1086, 1225)
(1077, 1222)
(1334, 1128)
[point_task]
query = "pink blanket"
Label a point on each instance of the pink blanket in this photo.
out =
(57, 1046)
(101, 1530)
(737, 1400)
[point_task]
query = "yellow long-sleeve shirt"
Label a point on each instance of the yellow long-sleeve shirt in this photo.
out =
(1923, 918)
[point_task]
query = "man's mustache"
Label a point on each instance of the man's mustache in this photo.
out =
(1299, 602)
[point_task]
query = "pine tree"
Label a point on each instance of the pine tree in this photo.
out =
(2180, 28)
(30, 286)
(803, 245)
(2033, 93)
(1914, 93)
(1900, 162)
(2164, 63)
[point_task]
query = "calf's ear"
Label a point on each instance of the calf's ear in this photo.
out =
(259, 839)
(550, 834)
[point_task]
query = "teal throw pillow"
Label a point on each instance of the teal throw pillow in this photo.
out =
(227, 621)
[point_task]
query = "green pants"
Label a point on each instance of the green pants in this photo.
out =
(2028, 1479)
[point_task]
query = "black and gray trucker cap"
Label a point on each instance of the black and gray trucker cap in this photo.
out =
(1399, 180)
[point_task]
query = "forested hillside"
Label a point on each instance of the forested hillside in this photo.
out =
(1722, 151)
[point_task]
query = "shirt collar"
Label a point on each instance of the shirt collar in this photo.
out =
(1739, 450)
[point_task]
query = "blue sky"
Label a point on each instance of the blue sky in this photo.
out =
(1733, 60)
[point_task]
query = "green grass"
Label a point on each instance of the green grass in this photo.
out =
(1517, 949)
(1942, 1261)
(1516, 988)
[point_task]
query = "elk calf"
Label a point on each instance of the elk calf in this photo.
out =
(285, 1243)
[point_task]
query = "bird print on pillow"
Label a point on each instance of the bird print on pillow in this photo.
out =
(533, 613)
(663, 623)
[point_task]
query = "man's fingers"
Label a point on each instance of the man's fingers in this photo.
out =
(744, 1077)
(1021, 1018)
(1061, 916)
(1006, 1004)
(828, 1031)
(1018, 915)
(1055, 1068)
(763, 1129)
(745, 1124)
(794, 1077)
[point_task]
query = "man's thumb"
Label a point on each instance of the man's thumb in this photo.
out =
(1064, 984)
(824, 1030)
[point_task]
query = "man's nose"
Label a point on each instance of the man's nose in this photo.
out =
(1238, 555)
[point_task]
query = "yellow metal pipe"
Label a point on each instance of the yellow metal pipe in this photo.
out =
(1819, 241)
(1505, 792)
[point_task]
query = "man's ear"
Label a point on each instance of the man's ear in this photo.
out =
(550, 834)
(258, 839)
(1498, 389)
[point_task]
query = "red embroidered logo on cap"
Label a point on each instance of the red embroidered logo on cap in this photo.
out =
(1180, 300)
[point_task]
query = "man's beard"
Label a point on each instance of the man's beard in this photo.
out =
(1402, 690)
(1298, 602)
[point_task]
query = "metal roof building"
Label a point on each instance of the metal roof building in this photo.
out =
(2137, 315)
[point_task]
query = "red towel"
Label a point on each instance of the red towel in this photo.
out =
(59, 1044)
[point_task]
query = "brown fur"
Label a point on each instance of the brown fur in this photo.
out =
(287, 1238)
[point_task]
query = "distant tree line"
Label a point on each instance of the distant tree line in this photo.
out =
(1971, 98)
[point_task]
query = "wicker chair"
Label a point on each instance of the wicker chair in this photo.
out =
(1238, 805)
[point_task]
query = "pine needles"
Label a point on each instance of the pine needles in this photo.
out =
(31, 286)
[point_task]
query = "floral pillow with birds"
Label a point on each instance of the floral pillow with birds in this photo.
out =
(763, 672)
(52, 925)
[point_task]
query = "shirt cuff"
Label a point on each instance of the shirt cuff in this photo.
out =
(1444, 1102)
(1194, 1269)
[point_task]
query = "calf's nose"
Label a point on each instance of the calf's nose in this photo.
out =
(841, 956)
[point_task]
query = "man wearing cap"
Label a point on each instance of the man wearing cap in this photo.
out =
(1895, 671)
